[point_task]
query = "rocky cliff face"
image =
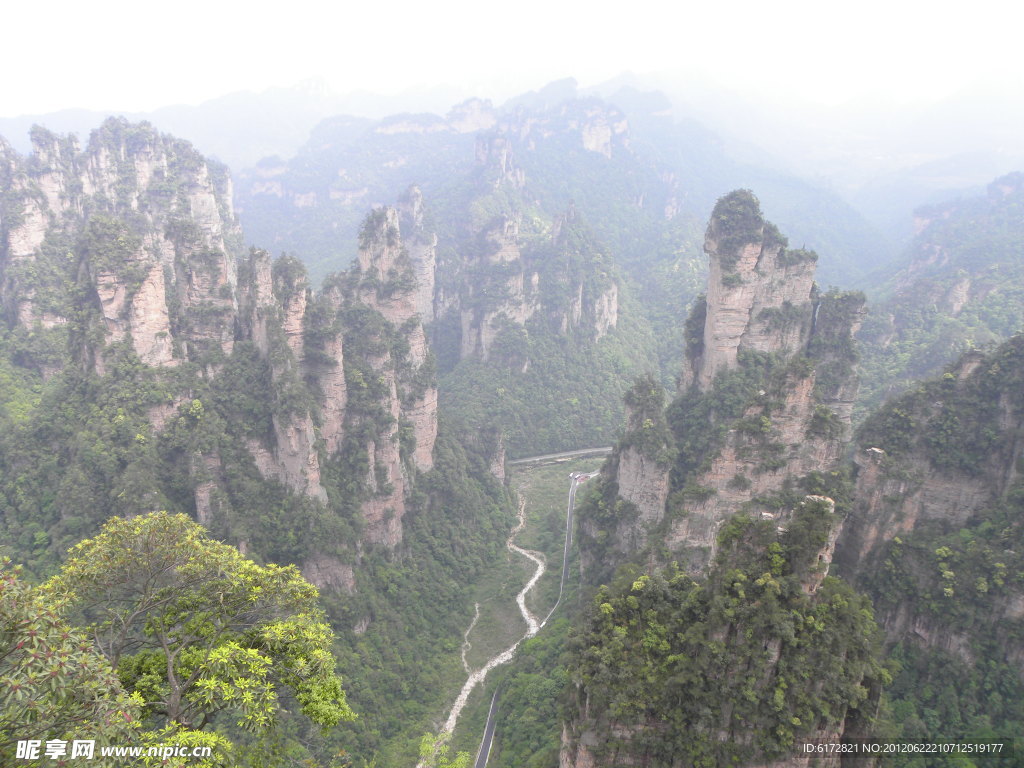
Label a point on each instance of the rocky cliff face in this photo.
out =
(710, 488)
(934, 533)
(606, 310)
(561, 278)
(765, 333)
(932, 465)
(759, 294)
(936, 456)
(131, 247)
(894, 500)
(507, 294)
(422, 248)
(146, 218)
(390, 286)
(472, 115)
(587, 124)
(503, 290)
(642, 463)
(274, 303)
(797, 424)
(391, 350)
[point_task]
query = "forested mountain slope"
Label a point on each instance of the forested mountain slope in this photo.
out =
(934, 536)
(642, 181)
(962, 287)
(149, 362)
(739, 482)
(726, 512)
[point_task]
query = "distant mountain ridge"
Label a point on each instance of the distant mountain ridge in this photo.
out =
(672, 169)
(240, 128)
(712, 539)
(961, 286)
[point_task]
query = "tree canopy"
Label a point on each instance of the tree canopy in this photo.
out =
(53, 683)
(196, 629)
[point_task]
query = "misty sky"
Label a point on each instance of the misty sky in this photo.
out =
(114, 55)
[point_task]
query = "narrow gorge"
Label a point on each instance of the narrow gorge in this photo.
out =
(767, 556)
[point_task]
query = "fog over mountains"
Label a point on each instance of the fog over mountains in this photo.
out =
(884, 156)
(774, 345)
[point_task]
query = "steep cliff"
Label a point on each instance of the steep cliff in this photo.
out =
(274, 299)
(134, 241)
(933, 538)
(122, 263)
(353, 363)
(677, 672)
(529, 315)
(636, 477)
(645, 452)
(766, 393)
(422, 248)
(741, 488)
(504, 292)
(959, 288)
(759, 293)
(388, 363)
(938, 460)
(145, 217)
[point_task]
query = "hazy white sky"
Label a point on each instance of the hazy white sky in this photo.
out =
(135, 56)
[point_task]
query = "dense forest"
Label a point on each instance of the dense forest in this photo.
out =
(262, 505)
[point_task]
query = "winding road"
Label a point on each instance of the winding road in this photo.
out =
(484, 752)
(532, 624)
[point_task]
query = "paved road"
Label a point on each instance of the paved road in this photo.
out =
(484, 752)
(566, 455)
(532, 625)
(575, 479)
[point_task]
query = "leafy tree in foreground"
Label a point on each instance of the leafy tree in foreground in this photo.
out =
(434, 753)
(53, 683)
(196, 629)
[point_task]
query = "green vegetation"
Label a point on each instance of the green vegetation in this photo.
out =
(699, 421)
(936, 695)
(401, 632)
(569, 396)
(111, 247)
(550, 384)
(759, 650)
(953, 579)
(736, 667)
(53, 682)
(646, 428)
(954, 421)
(200, 638)
(736, 222)
(832, 346)
(963, 290)
(716, 671)
(434, 753)
(533, 686)
(960, 681)
(532, 701)
(196, 629)
(694, 330)
(89, 431)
